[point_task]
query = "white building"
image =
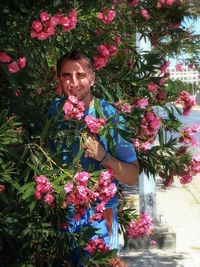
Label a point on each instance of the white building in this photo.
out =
(185, 75)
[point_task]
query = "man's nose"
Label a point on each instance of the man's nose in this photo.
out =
(75, 81)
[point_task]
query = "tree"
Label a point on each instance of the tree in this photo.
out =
(33, 35)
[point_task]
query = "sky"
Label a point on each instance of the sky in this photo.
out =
(195, 26)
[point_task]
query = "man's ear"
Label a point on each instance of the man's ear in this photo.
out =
(92, 81)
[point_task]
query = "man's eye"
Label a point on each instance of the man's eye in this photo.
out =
(81, 75)
(66, 76)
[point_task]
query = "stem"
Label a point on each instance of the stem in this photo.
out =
(52, 162)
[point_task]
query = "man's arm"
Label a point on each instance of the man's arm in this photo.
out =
(127, 173)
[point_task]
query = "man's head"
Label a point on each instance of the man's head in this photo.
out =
(75, 75)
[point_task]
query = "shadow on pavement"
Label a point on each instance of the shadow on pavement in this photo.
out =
(154, 259)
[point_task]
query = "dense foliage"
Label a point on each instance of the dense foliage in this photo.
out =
(33, 35)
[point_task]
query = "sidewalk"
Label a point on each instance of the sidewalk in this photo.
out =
(179, 207)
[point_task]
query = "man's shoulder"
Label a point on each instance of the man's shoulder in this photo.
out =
(107, 107)
(55, 105)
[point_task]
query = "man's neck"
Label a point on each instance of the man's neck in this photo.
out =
(89, 101)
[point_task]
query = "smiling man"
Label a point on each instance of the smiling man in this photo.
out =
(76, 78)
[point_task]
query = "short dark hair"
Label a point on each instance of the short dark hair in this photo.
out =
(74, 55)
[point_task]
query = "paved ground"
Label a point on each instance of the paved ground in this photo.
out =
(179, 207)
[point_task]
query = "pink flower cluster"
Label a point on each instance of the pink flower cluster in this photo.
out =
(44, 190)
(107, 17)
(141, 103)
(73, 108)
(164, 67)
(79, 195)
(195, 164)
(187, 101)
(179, 67)
(15, 65)
(187, 135)
(94, 124)
(161, 95)
(150, 124)
(145, 14)
(186, 178)
(164, 3)
(46, 26)
(123, 107)
(104, 53)
(96, 245)
(141, 146)
(152, 87)
(141, 227)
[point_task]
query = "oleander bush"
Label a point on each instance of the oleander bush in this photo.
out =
(129, 75)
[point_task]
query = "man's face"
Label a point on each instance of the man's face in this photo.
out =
(76, 78)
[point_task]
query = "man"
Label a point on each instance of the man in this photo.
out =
(76, 77)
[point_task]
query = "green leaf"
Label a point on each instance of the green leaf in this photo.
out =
(78, 156)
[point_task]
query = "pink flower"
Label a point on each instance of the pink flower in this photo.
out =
(169, 2)
(107, 17)
(150, 124)
(22, 62)
(4, 58)
(73, 108)
(164, 67)
(161, 95)
(153, 242)
(104, 51)
(36, 26)
(141, 146)
(99, 32)
(145, 14)
(44, 16)
(96, 245)
(100, 207)
(56, 19)
(13, 67)
(70, 22)
(49, 199)
(68, 187)
(162, 3)
(187, 136)
(145, 146)
(152, 87)
(123, 107)
(142, 102)
(141, 227)
(162, 81)
(112, 49)
(175, 26)
(94, 124)
(41, 179)
(82, 177)
(186, 100)
(186, 178)
(73, 99)
(117, 40)
(195, 164)
(99, 62)
(179, 67)
(46, 27)
(38, 195)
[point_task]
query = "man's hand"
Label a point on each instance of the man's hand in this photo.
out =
(93, 148)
